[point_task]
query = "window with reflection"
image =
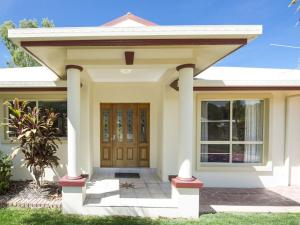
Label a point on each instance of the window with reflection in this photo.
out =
(232, 131)
(59, 107)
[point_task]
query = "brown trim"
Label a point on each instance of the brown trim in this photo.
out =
(31, 89)
(129, 58)
(135, 42)
(174, 84)
(189, 65)
(41, 61)
(194, 183)
(249, 88)
(129, 16)
(74, 67)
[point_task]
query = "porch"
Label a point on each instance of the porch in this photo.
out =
(143, 196)
(150, 196)
(147, 195)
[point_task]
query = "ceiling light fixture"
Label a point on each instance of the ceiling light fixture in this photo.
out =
(125, 71)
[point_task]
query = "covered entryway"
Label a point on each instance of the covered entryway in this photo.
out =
(124, 131)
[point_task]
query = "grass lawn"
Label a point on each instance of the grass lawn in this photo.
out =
(10, 216)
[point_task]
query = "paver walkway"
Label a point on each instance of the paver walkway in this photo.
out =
(278, 199)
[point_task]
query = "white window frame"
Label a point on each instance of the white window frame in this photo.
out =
(230, 142)
(6, 137)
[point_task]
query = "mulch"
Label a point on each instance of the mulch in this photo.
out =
(28, 194)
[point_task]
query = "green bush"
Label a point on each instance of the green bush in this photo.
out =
(5, 172)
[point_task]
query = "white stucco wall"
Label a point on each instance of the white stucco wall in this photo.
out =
(293, 139)
(283, 121)
(274, 172)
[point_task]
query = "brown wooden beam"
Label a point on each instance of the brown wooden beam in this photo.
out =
(174, 84)
(129, 58)
(136, 42)
(249, 88)
(31, 89)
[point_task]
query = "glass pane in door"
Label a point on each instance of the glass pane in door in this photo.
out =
(129, 125)
(105, 126)
(119, 128)
(143, 126)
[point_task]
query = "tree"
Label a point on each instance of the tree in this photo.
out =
(20, 58)
(35, 136)
(294, 3)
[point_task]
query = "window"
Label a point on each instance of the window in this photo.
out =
(59, 107)
(231, 131)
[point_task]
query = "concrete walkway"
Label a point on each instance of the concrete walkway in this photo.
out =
(279, 199)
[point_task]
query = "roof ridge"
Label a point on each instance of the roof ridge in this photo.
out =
(130, 16)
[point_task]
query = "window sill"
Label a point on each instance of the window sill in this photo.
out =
(214, 167)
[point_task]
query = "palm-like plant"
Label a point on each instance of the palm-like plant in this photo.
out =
(35, 136)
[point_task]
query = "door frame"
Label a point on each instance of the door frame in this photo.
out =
(107, 148)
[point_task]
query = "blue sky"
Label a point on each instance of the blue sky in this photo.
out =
(277, 19)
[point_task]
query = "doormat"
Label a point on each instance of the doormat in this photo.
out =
(127, 175)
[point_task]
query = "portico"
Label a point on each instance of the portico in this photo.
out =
(130, 94)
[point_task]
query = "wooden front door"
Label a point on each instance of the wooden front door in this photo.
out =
(124, 135)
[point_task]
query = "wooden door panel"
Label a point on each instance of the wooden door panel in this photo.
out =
(106, 153)
(119, 154)
(118, 135)
(106, 135)
(125, 135)
(144, 134)
(130, 154)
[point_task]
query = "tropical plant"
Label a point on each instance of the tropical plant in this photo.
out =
(20, 58)
(35, 135)
(5, 172)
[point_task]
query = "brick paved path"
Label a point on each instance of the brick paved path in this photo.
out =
(29, 202)
(279, 199)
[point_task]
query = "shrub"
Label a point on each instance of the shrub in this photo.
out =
(5, 172)
(35, 136)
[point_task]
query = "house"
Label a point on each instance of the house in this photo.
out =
(136, 96)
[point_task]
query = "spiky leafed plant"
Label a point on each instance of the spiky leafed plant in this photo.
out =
(35, 136)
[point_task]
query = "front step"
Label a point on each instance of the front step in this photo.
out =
(131, 202)
(130, 211)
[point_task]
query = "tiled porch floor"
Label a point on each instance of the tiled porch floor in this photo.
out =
(104, 190)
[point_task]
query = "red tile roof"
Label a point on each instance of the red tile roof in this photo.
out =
(130, 16)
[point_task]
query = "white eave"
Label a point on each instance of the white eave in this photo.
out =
(87, 33)
(27, 77)
(247, 77)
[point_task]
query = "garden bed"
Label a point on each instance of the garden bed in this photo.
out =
(27, 194)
